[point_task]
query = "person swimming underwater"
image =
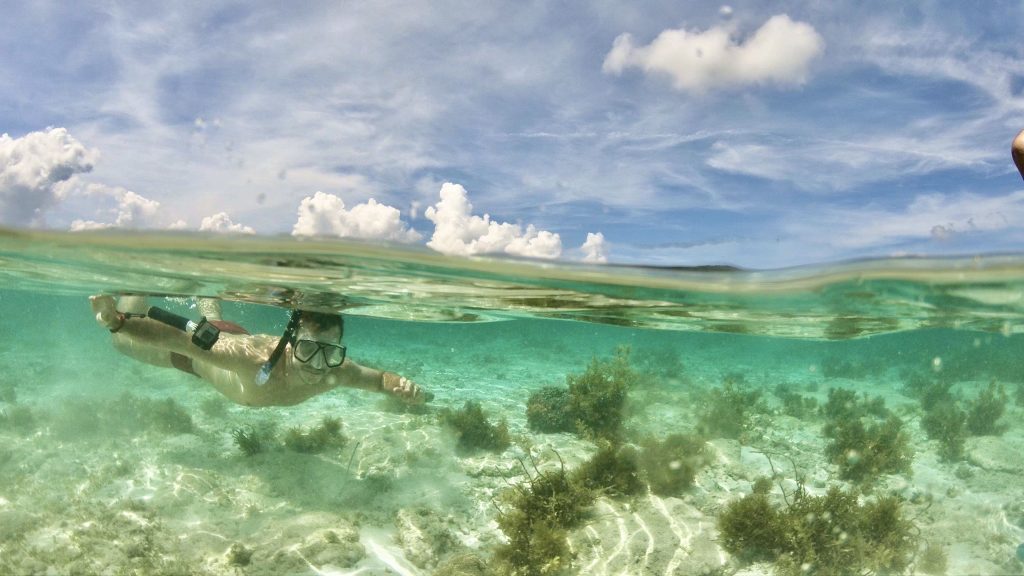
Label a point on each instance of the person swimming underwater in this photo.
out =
(308, 360)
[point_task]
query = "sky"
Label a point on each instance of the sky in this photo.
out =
(757, 134)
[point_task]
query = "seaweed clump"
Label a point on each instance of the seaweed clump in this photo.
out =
(249, 442)
(752, 529)
(536, 522)
(950, 421)
(795, 405)
(946, 423)
(727, 410)
(593, 404)
(598, 396)
(670, 465)
(828, 534)
(943, 420)
(239, 555)
(254, 440)
(984, 412)
(325, 435)
(547, 410)
(933, 560)
(843, 404)
(474, 430)
(666, 466)
(613, 470)
(866, 439)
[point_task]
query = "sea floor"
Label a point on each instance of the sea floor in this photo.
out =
(87, 487)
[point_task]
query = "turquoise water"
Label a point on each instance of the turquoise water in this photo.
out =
(108, 465)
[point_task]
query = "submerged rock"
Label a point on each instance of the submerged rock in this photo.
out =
(996, 454)
(338, 547)
(462, 565)
(323, 550)
(424, 536)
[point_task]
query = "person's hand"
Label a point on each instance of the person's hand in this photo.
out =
(404, 389)
(106, 311)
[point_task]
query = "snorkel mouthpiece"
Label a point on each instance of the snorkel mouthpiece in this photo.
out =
(264, 373)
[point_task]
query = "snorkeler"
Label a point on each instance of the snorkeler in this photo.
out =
(1017, 151)
(250, 369)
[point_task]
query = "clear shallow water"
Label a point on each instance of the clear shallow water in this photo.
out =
(85, 486)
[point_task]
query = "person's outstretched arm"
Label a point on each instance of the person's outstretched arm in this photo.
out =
(353, 375)
(142, 338)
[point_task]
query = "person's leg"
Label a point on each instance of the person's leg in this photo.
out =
(133, 304)
(148, 354)
(127, 346)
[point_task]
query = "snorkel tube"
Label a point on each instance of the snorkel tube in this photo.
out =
(264, 374)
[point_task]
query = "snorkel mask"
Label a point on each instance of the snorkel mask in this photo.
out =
(289, 332)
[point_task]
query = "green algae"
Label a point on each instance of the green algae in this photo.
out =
(829, 534)
(866, 440)
(325, 435)
(593, 403)
(535, 516)
(474, 430)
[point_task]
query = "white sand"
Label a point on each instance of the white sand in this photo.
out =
(398, 498)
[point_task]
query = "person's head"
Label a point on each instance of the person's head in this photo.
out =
(316, 342)
(326, 328)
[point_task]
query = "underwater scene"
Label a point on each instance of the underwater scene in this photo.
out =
(865, 417)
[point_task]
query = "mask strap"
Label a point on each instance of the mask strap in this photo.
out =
(264, 374)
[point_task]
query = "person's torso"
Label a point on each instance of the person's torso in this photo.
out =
(285, 387)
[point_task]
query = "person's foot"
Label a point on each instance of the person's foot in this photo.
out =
(404, 389)
(209, 308)
(106, 312)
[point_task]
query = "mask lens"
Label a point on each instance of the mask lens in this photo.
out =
(305, 349)
(334, 355)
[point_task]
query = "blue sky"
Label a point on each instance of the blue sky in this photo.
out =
(683, 133)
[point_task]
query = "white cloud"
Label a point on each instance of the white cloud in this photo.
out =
(595, 249)
(135, 211)
(132, 210)
(457, 231)
(325, 215)
(221, 222)
(931, 52)
(83, 225)
(939, 217)
(947, 224)
(779, 52)
(816, 164)
(31, 170)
